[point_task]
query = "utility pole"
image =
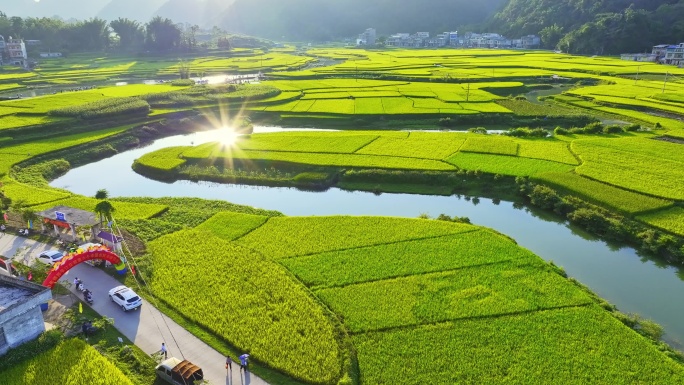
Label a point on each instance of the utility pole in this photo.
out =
(637, 77)
(665, 83)
(468, 93)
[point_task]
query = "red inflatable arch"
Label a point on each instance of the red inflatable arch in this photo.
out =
(72, 259)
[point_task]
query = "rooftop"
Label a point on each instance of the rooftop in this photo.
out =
(71, 215)
(14, 291)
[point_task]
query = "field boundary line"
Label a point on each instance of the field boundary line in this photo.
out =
(397, 277)
(380, 244)
(453, 321)
(250, 231)
(366, 145)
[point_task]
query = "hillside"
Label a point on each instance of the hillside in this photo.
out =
(321, 20)
(131, 9)
(594, 27)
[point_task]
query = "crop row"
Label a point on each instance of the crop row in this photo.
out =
(277, 239)
(249, 301)
(671, 220)
(582, 345)
(70, 362)
(165, 159)
(481, 291)
(506, 165)
(490, 145)
(631, 170)
(230, 225)
(606, 195)
(403, 258)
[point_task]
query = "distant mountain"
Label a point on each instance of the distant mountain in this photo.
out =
(140, 10)
(320, 20)
(204, 13)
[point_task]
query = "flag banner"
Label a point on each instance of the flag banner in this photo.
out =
(80, 307)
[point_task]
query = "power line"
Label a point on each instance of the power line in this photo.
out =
(142, 278)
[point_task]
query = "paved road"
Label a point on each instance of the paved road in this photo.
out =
(146, 327)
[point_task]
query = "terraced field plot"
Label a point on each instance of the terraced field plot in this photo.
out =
(80, 364)
(632, 169)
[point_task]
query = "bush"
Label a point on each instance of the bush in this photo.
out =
(613, 129)
(526, 132)
(561, 131)
(183, 83)
(633, 127)
(593, 128)
(478, 130)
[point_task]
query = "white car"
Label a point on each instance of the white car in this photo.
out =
(125, 297)
(50, 257)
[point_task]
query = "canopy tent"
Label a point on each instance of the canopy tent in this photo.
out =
(70, 219)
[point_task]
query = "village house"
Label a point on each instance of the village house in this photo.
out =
(368, 37)
(21, 318)
(674, 55)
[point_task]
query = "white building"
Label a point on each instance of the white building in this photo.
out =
(368, 37)
(641, 57)
(16, 50)
(675, 55)
(50, 54)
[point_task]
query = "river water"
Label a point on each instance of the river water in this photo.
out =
(634, 283)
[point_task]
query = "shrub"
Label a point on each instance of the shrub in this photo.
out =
(183, 83)
(613, 129)
(633, 127)
(561, 131)
(478, 130)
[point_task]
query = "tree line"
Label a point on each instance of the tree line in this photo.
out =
(159, 34)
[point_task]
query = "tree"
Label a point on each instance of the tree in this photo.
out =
(162, 34)
(105, 210)
(551, 35)
(102, 194)
(93, 34)
(130, 32)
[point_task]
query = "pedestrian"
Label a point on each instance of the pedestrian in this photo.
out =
(85, 328)
(76, 282)
(164, 352)
(229, 364)
(244, 362)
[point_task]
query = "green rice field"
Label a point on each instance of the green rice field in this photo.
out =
(370, 300)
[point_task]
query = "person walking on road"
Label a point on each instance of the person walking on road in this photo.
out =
(163, 351)
(244, 362)
(229, 365)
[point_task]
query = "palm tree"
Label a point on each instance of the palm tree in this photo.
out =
(105, 210)
(102, 194)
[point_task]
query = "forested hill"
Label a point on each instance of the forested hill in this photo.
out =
(319, 20)
(594, 26)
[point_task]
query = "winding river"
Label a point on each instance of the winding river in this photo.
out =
(634, 283)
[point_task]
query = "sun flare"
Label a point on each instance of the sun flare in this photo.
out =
(229, 137)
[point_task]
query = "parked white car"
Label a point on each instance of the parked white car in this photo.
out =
(50, 257)
(125, 297)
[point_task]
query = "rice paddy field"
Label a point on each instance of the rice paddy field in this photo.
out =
(391, 292)
(367, 300)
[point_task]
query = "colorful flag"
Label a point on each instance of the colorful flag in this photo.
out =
(80, 307)
(30, 276)
(6, 217)
(132, 269)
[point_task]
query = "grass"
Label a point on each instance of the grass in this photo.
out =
(490, 145)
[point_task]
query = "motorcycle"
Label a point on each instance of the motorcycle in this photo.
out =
(88, 296)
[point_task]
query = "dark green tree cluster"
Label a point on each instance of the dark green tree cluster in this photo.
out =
(594, 27)
(159, 34)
